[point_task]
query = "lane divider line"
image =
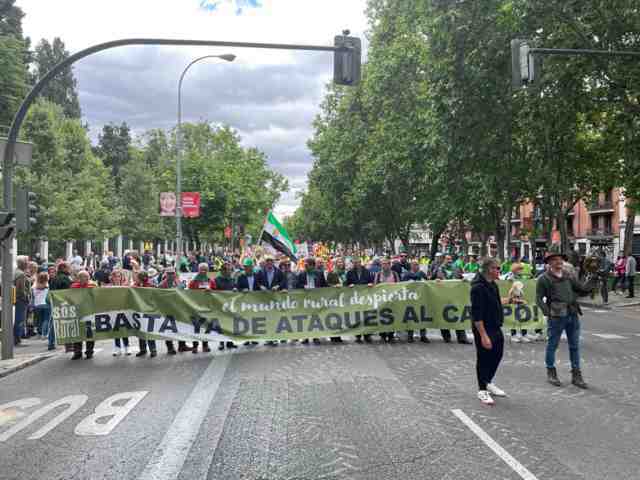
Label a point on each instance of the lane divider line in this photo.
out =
(168, 459)
(493, 445)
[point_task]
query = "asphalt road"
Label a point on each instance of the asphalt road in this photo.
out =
(402, 411)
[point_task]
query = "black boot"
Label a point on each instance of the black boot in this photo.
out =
(552, 377)
(576, 378)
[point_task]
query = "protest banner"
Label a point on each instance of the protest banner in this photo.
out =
(101, 313)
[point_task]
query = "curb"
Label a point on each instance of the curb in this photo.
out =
(25, 364)
(608, 307)
(634, 304)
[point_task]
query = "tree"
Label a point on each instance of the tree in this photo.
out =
(139, 200)
(10, 19)
(236, 184)
(63, 88)
(13, 81)
(114, 144)
(13, 47)
(75, 191)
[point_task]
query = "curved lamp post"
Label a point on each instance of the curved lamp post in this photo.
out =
(228, 58)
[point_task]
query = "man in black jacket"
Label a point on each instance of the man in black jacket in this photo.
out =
(487, 316)
(224, 282)
(247, 281)
(270, 278)
(358, 275)
(311, 278)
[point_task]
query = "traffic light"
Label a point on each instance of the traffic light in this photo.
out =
(347, 60)
(26, 210)
(525, 66)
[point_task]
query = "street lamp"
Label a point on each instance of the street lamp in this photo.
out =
(229, 58)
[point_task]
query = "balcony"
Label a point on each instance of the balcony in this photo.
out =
(601, 207)
(516, 220)
(600, 233)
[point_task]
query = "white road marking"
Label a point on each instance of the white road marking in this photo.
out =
(493, 445)
(168, 459)
(74, 403)
(600, 311)
(609, 336)
(115, 413)
(11, 411)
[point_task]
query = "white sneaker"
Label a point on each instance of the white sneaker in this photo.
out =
(493, 390)
(525, 339)
(485, 398)
(516, 338)
(126, 351)
(116, 352)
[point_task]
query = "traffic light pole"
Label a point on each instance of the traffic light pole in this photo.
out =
(523, 66)
(7, 172)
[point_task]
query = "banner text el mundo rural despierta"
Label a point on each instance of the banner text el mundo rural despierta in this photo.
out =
(103, 313)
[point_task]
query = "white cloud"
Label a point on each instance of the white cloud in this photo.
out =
(270, 96)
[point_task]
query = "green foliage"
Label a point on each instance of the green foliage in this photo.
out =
(13, 81)
(10, 19)
(114, 147)
(63, 89)
(75, 190)
(13, 48)
(434, 133)
(236, 184)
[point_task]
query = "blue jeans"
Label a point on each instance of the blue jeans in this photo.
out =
(52, 333)
(555, 327)
(19, 320)
(43, 319)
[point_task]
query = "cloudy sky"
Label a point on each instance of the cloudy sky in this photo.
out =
(270, 97)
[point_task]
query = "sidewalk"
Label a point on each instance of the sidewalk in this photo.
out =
(32, 352)
(615, 301)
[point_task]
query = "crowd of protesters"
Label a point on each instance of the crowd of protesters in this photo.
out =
(232, 272)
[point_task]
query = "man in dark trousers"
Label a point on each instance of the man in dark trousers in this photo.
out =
(270, 279)
(557, 294)
(487, 317)
(309, 279)
(224, 281)
(247, 282)
(358, 275)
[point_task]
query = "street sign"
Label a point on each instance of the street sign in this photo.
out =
(22, 154)
(168, 204)
(190, 204)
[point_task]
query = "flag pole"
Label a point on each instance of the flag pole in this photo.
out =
(262, 231)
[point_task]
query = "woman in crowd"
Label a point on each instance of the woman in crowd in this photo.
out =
(142, 281)
(169, 280)
(202, 282)
(118, 279)
(42, 308)
(83, 281)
